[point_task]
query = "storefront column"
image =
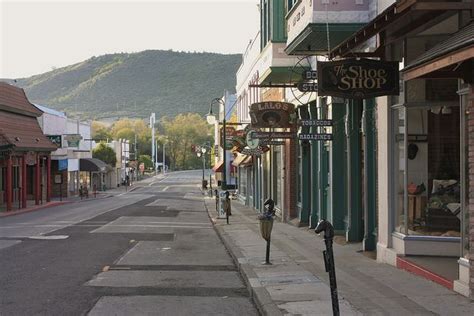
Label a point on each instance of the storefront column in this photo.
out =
(9, 184)
(324, 193)
(48, 179)
(354, 230)
(37, 180)
(314, 192)
(24, 187)
(369, 241)
(338, 172)
(305, 181)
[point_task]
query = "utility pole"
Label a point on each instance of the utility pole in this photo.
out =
(152, 126)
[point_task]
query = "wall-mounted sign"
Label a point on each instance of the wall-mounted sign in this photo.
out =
(251, 141)
(73, 140)
(358, 79)
(315, 136)
(55, 139)
(272, 114)
(310, 122)
(273, 135)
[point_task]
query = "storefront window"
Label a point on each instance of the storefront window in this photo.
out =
(463, 92)
(243, 181)
(433, 171)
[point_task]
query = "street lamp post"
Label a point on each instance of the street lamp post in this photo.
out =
(211, 119)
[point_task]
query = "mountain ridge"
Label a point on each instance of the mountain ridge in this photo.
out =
(119, 85)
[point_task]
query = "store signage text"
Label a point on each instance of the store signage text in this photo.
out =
(307, 86)
(311, 122)
(358, 79)
(315, 136)
(272, 135)
(272, 114)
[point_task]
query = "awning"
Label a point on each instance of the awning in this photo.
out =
(248, 161)
(218, 166)
(454, 56)
(93, 165)
(23, 133)
(408, 15)
(313, 39)
(276, 75)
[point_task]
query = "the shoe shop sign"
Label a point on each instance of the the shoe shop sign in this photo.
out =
(272, 114)
(358, 79)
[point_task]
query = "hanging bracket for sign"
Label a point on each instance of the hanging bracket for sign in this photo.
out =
(310, 122)
(272, 85)
(315, 137)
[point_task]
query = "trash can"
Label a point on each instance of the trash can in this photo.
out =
(204, 184)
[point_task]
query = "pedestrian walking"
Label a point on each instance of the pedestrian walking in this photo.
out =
(227, 206)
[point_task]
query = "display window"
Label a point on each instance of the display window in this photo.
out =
(427, 163)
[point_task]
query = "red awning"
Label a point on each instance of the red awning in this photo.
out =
(218, 166)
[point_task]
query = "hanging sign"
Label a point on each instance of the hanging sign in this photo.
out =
(272, 114)
(73, 140)
(310, 74)
(358, 79)
(272, 142)
(307, 86)
(315, 136)
(310, 122)
(256, 151)
(229, 135)
(272, 135)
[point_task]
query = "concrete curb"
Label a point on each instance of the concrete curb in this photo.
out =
(39, 207)
(260, 296)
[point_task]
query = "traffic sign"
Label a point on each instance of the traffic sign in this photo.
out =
(315, 136)
(310, 122)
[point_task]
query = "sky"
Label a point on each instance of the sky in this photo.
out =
(37, 36)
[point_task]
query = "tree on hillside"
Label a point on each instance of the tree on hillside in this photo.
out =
(181, 132)
(100, 132)
(105, 153)
(127, 129)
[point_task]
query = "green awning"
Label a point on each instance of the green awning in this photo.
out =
(276, 75)
(313, 39)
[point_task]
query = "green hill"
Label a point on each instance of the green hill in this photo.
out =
(134, 85)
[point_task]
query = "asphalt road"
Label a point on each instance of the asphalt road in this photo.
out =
(152, 251)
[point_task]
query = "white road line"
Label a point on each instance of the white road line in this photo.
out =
(165, 188)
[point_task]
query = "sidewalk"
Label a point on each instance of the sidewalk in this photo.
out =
(76, 199)
(297, 283)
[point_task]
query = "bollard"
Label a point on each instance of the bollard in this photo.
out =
(266, 226)
(328, 255)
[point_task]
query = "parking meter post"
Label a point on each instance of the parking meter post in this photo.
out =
(328, 254)
(266, 226)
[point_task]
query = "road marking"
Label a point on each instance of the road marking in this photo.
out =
(165, 188)
(54, 237)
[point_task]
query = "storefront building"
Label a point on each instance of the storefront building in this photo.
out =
(25, 160)
(424, 139)
(336, 177)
